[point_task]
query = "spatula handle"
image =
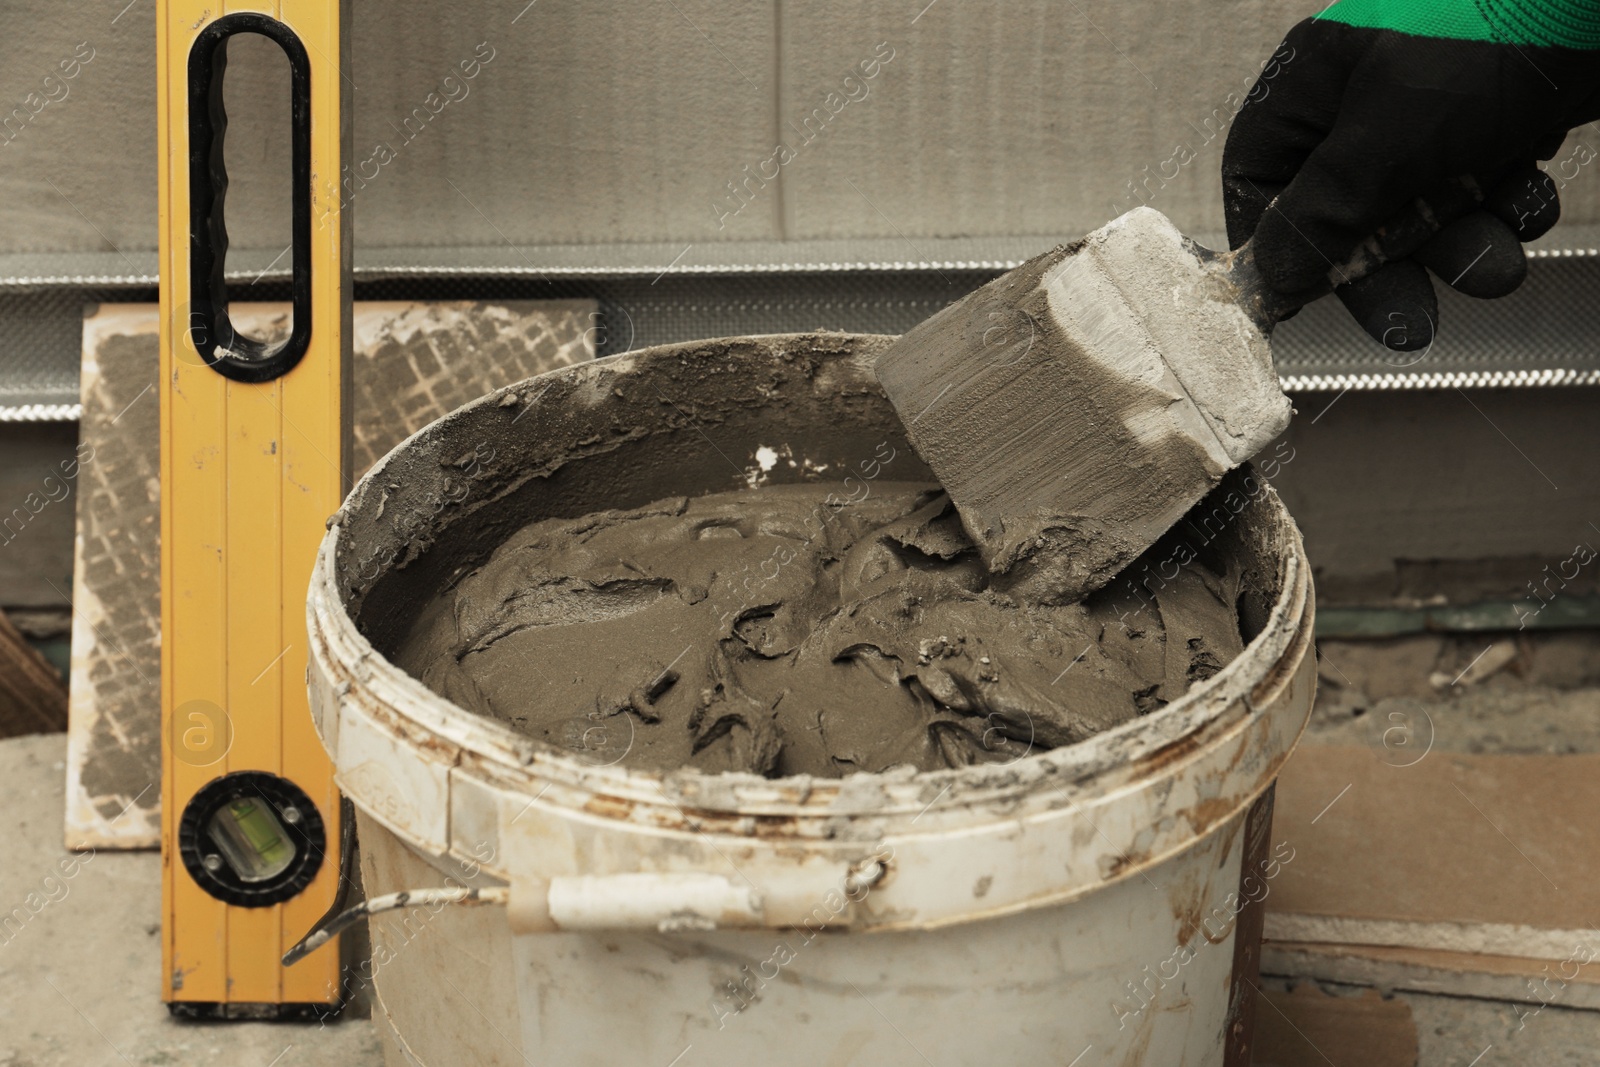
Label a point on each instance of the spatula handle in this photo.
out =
(1404, 235)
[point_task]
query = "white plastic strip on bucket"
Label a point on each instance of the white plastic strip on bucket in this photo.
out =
(1102, 897)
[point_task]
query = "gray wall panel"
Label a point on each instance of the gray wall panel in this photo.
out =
(1029, 117)
(596, 120)
(623, 120)
(80, 175)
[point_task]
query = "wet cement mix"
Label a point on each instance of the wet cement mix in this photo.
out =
(790, 629)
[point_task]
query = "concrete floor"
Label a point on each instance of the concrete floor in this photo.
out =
(1458, 1032)
(78, 980)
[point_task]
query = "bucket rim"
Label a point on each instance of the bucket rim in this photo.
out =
(489, 748)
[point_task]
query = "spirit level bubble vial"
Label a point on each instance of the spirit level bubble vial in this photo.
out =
(253, 461)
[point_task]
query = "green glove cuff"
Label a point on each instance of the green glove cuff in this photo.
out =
(1559, 23)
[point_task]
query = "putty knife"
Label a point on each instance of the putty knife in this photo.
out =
(1076, 407)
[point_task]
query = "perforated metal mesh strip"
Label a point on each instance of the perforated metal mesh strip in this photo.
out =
(1546, 334)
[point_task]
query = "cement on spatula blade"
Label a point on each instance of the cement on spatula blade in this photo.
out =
(1085, 400)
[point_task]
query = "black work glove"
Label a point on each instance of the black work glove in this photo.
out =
(1371, 104)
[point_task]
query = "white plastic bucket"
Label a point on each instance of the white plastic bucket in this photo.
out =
(1094, 904)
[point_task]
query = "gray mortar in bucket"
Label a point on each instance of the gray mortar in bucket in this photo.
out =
(943, 706)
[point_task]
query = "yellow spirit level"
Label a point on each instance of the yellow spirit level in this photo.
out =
(253, 455)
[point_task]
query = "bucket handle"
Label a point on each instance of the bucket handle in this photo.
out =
(640, 900)
(664, 902)
(328, 929)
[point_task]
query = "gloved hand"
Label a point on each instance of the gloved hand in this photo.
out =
(1372, 103)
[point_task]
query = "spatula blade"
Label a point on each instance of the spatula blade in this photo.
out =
(1076, 407)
